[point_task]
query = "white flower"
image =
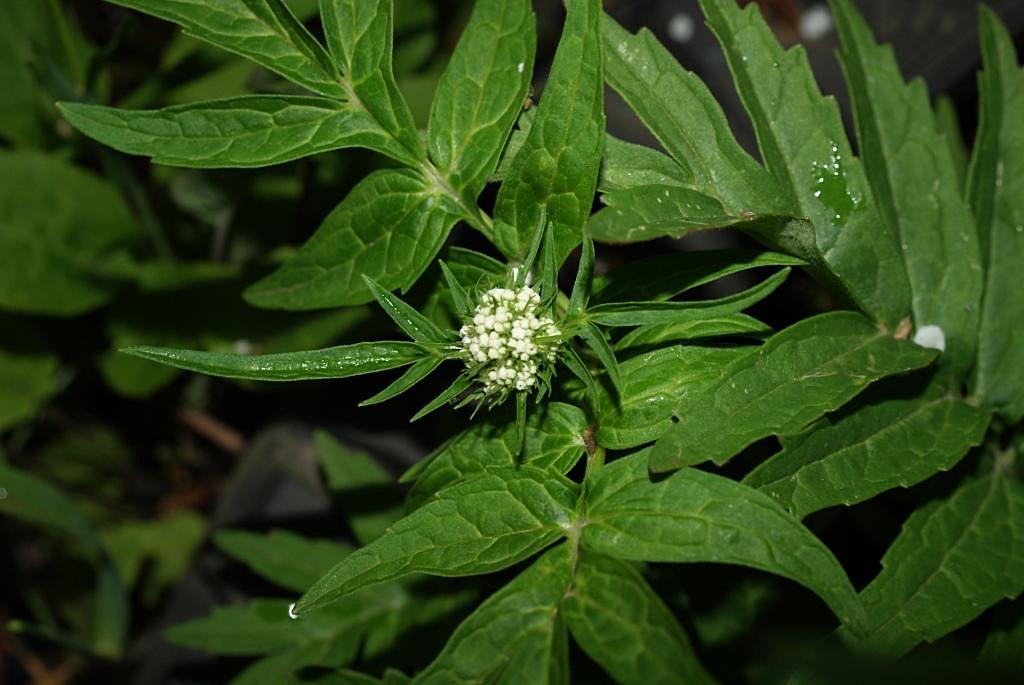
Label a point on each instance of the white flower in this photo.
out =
(507, 334)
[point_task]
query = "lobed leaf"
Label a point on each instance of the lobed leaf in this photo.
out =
(953, 559)
(481, 92)
(264, 31)
(799, 374)
(804, 146)
(244, 131)
(622, 624)
(896, 434)
(694, 516)
(914, 180)
(389, 227)
(516, 636)
(479, 526)
(995, 184)
(341, 361)
(556, 169)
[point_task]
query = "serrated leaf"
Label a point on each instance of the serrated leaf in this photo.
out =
(554, 441)
(646, 338)
(340, 361)
(896, 434)
(481, 92)
(995, 185)
(622, 624)
(367, 492)
(694, 516)
(799, 374)
(516, 636)
(61, 227)
(389, 227)
(479, 526)
(652, 385)
(664, 276)
(914, 181)
(359, 36)
(628, 165)
(688, 121)
(802, 141)
(953, 559)
(284, 558)
(245, 131)
(659, 312)
(558, 164)
(264, 31)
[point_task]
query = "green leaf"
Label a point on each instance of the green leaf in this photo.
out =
(481, 93)
(953, 559)
(995, 184)
(28, 372)
(658, 312)
(359, 35)
(665, 276)
(799, 374)
(914, 180)
(284, 558)
(389, 227)
(661, 335)
(554, 442)
(897, 434)
(412, 323)
(37, 503)
(801, 138)
(367, 492)
(652, 385)
(628, 165)
(688, 121)
(452, 393)
(341, 361)
(479, 526)
(245, 131)
(655, 211)
(580, 296)
(61, 226)
(264, 31)
(622, 624)
(598, 341)
(557, 166)
(413, 375)
(948, 123)
(694, 516)
(516, 636)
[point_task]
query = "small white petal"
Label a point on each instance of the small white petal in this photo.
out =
(931, 337)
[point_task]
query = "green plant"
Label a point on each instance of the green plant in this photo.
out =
(918, 368)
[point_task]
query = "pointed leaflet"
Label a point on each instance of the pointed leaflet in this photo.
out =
(915, 184)
(995, 185)
(646, 338)
(688, 122)
(896, 434)
(802, 141)
(953, 559)
(948, 123)
(482, 525)
(460, 385)
(245, 131)
(659, 312)
(598, 341)
(413, 375)
(799, 374)
(359, 35)
(554, 441)
(622, 624)
(481, 92)
(665, 276)
(558, 164)
(516, 636)
(331, 362)
(655, 211)
(412, 323)
(264, 31)
(389, 227)
(628, 165)
(694, 516)
(652, 385)
(282, 557)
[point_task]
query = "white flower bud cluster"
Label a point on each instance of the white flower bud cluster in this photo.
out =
(505, 335)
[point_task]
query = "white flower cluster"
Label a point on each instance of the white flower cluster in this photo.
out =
(505, 335)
